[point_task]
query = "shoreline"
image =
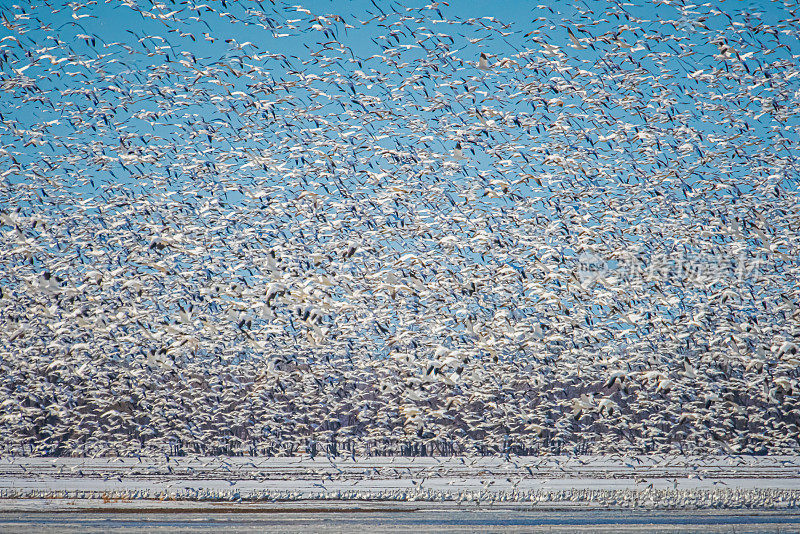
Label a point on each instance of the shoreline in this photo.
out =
(599, 482)
(342, 507)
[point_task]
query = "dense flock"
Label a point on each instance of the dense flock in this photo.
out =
(274, 229)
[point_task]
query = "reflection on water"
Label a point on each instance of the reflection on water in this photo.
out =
(429, 520)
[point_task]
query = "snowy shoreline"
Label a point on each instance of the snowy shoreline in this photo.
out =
(186, 484)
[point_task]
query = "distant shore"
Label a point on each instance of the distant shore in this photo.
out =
(189, 484)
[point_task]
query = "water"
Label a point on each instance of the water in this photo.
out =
(429, 519)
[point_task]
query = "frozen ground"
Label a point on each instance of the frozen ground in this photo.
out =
(675, 482)
(517, 494)
(422, 518)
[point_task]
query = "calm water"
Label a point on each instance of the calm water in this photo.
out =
(406, 521)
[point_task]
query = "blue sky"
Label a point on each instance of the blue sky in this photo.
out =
(206, 88)
(117, 23)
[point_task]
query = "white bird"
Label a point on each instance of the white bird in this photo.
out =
(483, 62)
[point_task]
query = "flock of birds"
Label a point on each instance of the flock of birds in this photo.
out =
(629, 498)
(261, 228)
